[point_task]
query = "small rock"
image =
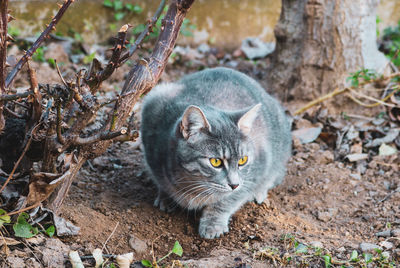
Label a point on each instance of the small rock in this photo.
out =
(341, 249)
(32, 263)
(53, 253)
(254, 48)
(390, 136)
(369, 247)
(386, 254)
(307, 135)
(386, 244)
(326, 157)
(395, 233)
(203, 48)
(356, 157)
(385, 150)
(138, 245)
(316, 244)
(324, 216)
(356, 176)
(386, 233)
(16, 262)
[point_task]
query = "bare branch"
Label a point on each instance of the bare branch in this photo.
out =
(109, 135)
(95, 77)
(17, 96)
(3, 54)
(149, 28)
(38, 42)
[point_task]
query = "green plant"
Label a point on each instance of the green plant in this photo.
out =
(177, 250)
(14, 31)
(4, 218)
(39, 54)
(22, 228)
(391, 45)
(121, 9)
(364, 74)
(187, 27)
(89, 58)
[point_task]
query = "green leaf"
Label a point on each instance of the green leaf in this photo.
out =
(138, 29)
(301, 248)
(51, 62)
(137, 9)
(368, 257)
(327, 260)
(108, 3)
(119, 15)
(51, 230)
(89, 58)
(177, 249)
(22, 228)
(146, 263)
(4, 218)
(118, 5)
(354, 256)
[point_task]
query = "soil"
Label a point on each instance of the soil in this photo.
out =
(325, 200)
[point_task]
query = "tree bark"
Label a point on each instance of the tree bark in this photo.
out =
(319, 42)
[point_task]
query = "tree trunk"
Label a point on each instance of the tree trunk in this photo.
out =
(319, 42)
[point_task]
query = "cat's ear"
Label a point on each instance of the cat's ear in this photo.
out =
(193, 121)
(246, 121)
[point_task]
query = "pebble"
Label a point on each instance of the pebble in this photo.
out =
(324, 216)
(386, 244)
(356, 157)
(368, 247)
(356, 176)
(395, 233)
(316, 244)
(138, 245)
(386, 233)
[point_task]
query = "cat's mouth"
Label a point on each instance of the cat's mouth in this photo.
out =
(195, 195)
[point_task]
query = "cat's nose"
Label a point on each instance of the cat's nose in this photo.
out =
(233, 186)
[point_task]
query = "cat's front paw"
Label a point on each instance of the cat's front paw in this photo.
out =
(260, 196)
(164, 203)
(210, 230)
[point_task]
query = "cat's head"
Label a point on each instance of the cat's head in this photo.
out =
(214, 153)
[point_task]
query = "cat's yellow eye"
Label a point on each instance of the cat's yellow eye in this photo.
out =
(215, 162)
(242, 161)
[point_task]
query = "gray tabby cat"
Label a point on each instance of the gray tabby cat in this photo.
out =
(214, 141)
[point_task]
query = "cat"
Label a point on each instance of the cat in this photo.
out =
(213, 141)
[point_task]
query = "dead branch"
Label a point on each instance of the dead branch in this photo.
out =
(28, 54)
(149, 28)
(338, 91)
(141, 79)
(95, 77)
(3, 54)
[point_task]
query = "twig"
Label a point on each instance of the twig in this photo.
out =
(13, 113)
(149, 26)
(108, 238)
(99, 137)
(59, 74)
(338, 91)
(58, 123)
(3, 43)
(95, 77)
(3, 54)
(16, 96)
(20, 158)
(376, 101)
(36, 45)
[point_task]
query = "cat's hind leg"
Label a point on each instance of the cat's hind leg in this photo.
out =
(164, 202)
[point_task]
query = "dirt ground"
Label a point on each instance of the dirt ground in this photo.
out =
(324, 202)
